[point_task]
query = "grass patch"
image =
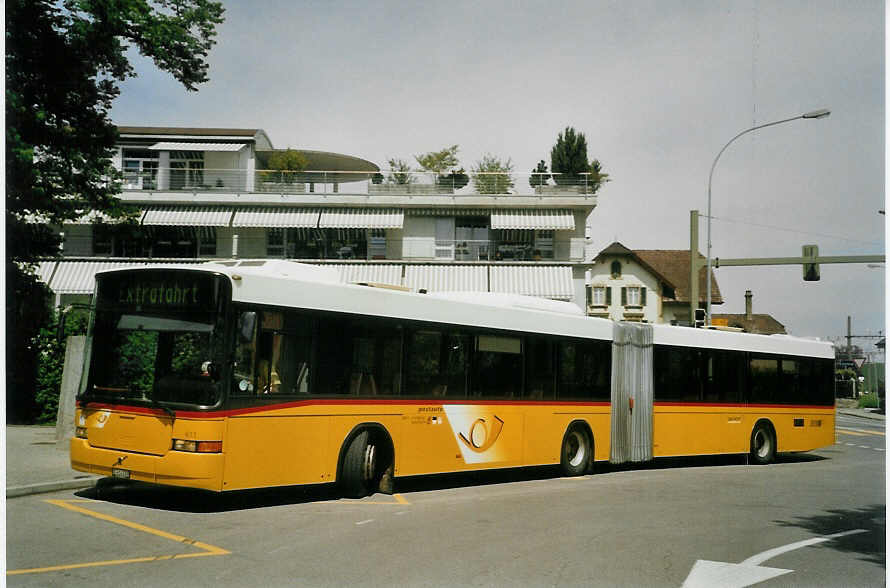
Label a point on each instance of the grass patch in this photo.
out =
(868, 401)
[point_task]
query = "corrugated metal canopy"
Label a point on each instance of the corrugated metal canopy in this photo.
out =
(547, 281)
(188, 216)
(376, 273)
(182, 146)
(447, 278)
(78, 277)
(533, 219)
(362, 218)
(276, 217)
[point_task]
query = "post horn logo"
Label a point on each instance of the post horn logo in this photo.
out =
(483, 433)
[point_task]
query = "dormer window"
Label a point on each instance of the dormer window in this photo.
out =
(616, 270)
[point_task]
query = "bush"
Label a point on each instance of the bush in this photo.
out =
(868, 401)
(51, 362)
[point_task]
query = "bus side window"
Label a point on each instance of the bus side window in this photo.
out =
(245, 354)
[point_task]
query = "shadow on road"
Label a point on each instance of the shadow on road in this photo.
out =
(869, 545)
(201, 501)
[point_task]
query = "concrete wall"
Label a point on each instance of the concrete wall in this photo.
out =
(71, 374)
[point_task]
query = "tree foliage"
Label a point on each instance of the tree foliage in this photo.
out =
(444, 164)
(50, 344)
(568, 161)
(64, 63)
(438, 162)
(568, 158)
(399, 172)
(286, 163)
(491, 175)
(539, 175)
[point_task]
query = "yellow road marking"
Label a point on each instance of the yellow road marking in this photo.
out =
(67, 504)
(858, 432)
(400, 500)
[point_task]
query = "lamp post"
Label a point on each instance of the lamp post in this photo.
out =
(821, 113)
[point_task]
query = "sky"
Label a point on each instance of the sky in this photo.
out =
(658, 88)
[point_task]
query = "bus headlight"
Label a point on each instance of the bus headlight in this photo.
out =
(80, 432)
(197, 446)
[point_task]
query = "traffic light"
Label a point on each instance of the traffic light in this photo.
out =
(811, 270)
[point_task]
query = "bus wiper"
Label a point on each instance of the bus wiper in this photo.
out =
(157, 404)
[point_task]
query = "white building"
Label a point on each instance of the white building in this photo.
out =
(203, 194)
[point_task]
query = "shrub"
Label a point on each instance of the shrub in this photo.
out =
(51, 362)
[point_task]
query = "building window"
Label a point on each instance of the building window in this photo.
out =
(601, 296)
(140, 167)
(633, 296)
(616, 270)
(186, 169)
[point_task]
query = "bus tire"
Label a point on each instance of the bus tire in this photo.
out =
(577, 451)
(359, 466)
(763, 443)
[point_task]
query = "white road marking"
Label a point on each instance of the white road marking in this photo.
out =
(729, 575)
(365, 522)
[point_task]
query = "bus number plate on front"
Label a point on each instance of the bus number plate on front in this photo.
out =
(120, 473)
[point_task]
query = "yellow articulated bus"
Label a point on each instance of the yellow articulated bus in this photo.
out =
(247, 374)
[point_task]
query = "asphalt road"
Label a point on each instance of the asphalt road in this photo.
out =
(815, 519)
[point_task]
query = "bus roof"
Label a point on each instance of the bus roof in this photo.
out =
(297, 285)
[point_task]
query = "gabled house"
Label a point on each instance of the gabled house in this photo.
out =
(642, 285)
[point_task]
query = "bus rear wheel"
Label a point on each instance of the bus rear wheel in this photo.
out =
(359, 466)
(577, 451)
(763, 444)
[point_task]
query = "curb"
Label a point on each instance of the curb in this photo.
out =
(45, 487)
(861, 414)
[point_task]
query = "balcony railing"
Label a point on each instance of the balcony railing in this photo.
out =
(350, 182)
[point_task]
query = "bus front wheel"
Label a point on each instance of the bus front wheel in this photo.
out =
(577, 452)
(763, 444)
(359, 466)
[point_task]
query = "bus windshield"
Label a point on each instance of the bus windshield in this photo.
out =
(158, 338)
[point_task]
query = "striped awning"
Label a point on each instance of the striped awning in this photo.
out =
(79, 277)
(276, 217)
(447, 278)
(187, 216)
(366, 272)
(533, 219)
(180, 146)
(361, 218)
(547, 281)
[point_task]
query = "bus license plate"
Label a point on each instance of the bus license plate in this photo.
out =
(120, 473)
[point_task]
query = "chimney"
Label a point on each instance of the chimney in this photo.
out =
(748, 297)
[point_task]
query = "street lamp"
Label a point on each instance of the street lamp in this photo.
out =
(821, 113)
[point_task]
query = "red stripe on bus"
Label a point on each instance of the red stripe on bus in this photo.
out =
(416, 402)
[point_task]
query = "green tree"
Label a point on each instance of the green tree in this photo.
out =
(444, 163)
(438, 162)
(64, 63)
(539, 175)
(597, 177)
(286, 163)
(400, 172)
(492, 176)
(568, 158)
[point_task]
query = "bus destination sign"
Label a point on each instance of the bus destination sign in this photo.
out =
(174, 290)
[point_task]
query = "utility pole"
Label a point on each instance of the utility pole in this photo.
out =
(695, 265)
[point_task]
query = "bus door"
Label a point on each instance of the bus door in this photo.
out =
(631, 438)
